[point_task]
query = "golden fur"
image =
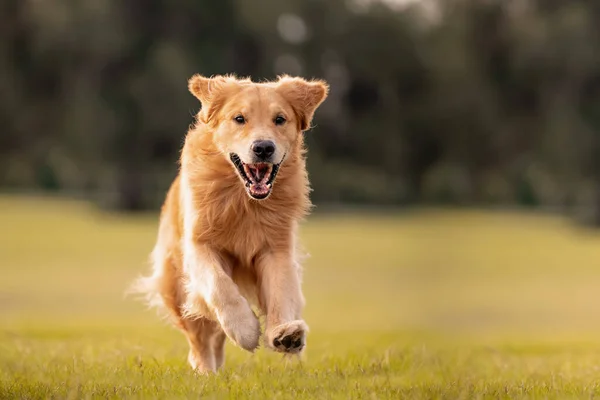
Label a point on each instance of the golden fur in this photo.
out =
(220, 252)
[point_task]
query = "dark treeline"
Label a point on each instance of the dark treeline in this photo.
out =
(462, 102)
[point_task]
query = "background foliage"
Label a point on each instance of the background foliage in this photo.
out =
(457, 101)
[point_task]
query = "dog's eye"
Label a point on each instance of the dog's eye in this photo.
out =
(240, 119)
(279, 120)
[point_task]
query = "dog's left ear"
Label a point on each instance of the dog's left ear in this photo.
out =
(304, 96)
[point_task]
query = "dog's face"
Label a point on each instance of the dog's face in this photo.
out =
(256, 125)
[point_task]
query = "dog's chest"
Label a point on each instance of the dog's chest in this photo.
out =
(247, 239)
(246, 234)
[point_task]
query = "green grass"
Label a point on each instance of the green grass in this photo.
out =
(431, 304)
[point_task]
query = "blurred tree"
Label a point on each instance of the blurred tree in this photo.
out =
(464, 101)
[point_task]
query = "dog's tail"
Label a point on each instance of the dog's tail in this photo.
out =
(156, 292)
(144, 288)
(149, 290)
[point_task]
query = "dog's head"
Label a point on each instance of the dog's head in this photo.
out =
(256, 125)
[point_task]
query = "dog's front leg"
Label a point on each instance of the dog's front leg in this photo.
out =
(282, 300)
(210, 286)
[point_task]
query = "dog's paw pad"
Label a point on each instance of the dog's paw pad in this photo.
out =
(289, 338)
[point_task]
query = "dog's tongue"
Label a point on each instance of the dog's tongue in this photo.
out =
(259, 173)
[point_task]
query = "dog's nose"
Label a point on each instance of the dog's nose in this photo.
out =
(263, 148)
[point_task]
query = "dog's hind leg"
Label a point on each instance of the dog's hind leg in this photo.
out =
(219, 348)
(206, 340)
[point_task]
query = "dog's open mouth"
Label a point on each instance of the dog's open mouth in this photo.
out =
(258, 178)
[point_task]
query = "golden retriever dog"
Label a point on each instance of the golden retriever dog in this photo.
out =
(227, 240)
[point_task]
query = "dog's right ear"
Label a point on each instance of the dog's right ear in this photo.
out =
(205, 88)
(209, 92)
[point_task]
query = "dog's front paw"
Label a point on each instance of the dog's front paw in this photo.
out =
(242, 327)
(289, 337)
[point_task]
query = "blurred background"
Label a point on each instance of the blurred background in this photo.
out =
(468, 102)
(457, 121)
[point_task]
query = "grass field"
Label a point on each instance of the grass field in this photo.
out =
(430, 304)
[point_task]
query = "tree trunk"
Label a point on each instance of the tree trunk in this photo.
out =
(131, 190)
